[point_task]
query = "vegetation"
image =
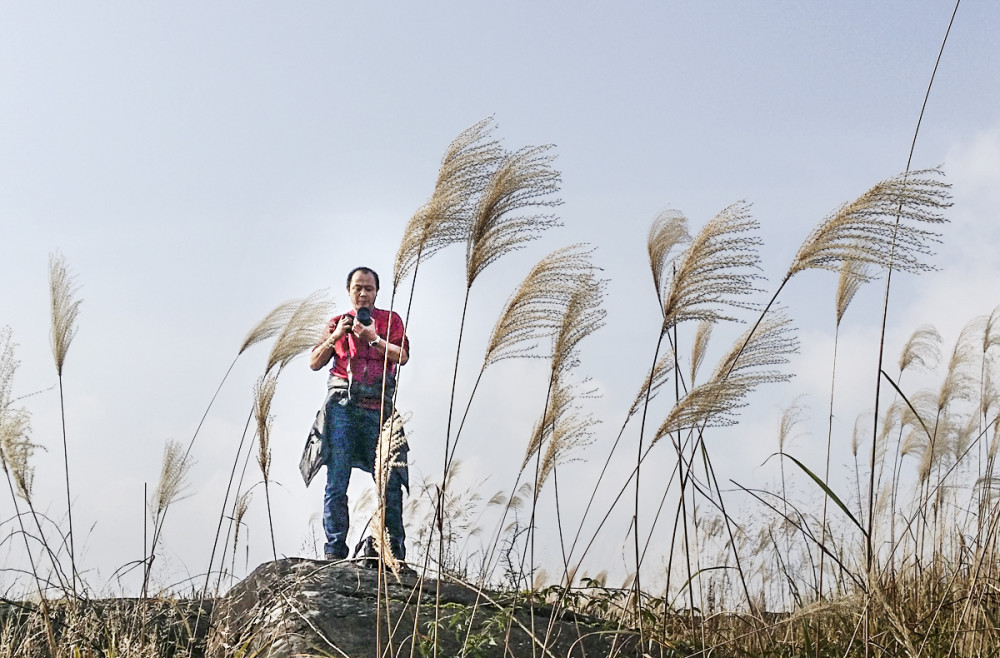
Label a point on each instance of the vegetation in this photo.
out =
(906, 563)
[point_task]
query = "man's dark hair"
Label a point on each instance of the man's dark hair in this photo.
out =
(366, 270)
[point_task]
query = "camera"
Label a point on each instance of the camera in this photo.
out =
(364, 315)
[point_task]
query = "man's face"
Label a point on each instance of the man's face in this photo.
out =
(362, 290)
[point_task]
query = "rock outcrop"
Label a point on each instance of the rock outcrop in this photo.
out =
(299, 607)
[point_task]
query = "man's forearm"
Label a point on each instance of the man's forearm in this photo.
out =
(395, 353)
(320, 356)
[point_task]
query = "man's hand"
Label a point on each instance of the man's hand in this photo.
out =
(343, 327)
(365, 333)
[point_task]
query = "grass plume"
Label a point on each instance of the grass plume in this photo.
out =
(745, 367)
(173, 479)
(922, 349)
(668, 231)
(523, 180)
(444, 219)
(65, 308)
(717, 270)
(867, 229)
(300, 333)
(263, 395)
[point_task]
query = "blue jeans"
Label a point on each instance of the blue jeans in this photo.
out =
(350, 442)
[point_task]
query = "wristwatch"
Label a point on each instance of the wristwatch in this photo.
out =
(373, 343)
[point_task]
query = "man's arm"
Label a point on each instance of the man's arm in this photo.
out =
(396, 353)
(321, 354)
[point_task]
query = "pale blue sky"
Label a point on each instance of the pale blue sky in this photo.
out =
(198, 163)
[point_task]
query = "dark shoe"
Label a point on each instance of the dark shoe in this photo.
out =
(337, 556)
(405, 569)
(365, 550)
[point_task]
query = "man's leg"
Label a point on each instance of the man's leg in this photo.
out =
(394, 512)
(369, 420)
(336, 518)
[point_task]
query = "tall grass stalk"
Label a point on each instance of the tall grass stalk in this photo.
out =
(173, 473)
(15, 453)
(263, 394)
(899, 241)
(65, 308)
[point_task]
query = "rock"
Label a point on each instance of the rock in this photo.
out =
(300, 607)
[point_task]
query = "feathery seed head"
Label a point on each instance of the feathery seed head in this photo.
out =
(852, 274)
(16, 448)
(523, 179)
(263, 395)
(991, 334)
(582, 316)
(922, 350)
(991, 393)
(572, 429)
(960, 382)
(654, 380)
(749, 363)
(533, 311)
(717, 270)
(857, 436)
(881, 227)
(270, 324)
(701, 337)
(791, 417)
(669, 230)
(173, 474)
(444, 219)
(64, 308)
(302, 330)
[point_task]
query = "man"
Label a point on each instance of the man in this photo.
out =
(360, 390)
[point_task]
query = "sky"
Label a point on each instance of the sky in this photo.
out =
(199, 163)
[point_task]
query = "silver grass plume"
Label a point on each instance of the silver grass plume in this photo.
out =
(791, 418)
(302, 331)
(747, 365)
(922, 350)
(947, 438)
(669, 230)
(263, 395)
(891, 420)
(521, 494)
(654, 380)
(867, 229)
(533, 311)
(270, 324)
(16, 449)
(964, 365)
(857, 436)
(716, 271)
(572, 429)
(523, 180)
(962, 437)
(991, 334)
(583, 316)
(64, 308)
(388, 456)
(700, 347)
(561, 419)
(239, 511)
(443, 220)
(991, 393)
(853, 273)
(917, 420)
(173, 474)
(995, 443)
